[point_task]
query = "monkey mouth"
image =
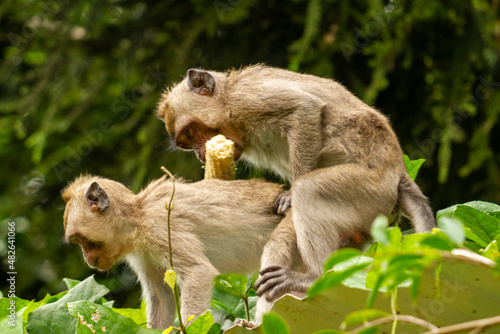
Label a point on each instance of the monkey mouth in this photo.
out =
(102, 264)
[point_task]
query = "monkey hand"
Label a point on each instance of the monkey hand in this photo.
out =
(278, 280)
(283, 202)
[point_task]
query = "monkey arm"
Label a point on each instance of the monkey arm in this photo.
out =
(159, 298)
(298, 116)
(305, 137)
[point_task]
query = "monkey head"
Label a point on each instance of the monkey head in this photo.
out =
(94, 222)
(194, 111)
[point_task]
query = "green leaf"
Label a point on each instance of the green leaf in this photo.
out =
(413, 241)
(169, 278)
(340, 256)
(485, 207)
(438, 241)
(18, 306)
(136, 314)
(221, 306)
(53, 317)
(329, 331)
(417, 277)
(370, 330)
(412, 166)
(274, 324)
(70, 283)
(372, 250)
(491, 252)
(201, 325)
(331, 278)
(472, 246)
(453, 229)
(226, 302)
(250, 284)
(232, 283)
(481, 226)
(215, 329)
(96, 318)
(379, 230)
(362, 316)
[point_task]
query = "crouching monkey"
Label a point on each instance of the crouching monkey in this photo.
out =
(341, 156)
(217, 227)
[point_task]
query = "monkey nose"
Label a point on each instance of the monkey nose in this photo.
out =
(96, 261)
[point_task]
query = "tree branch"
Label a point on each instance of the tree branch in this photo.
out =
(405, 318)
(474, 325)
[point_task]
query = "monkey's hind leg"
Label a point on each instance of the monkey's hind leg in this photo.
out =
(281, 251)
(329, 204)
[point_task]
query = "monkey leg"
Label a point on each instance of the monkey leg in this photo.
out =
(196, 289)
(329, 204)
(280, 251)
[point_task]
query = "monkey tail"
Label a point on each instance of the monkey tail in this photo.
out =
(415, 205)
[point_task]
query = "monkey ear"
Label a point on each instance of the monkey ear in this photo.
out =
(201, 82)
(97, 197)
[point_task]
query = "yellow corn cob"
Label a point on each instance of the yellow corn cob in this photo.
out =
(219, 158)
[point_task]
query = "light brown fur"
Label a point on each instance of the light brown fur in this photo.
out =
(341, 155)
(217, 227)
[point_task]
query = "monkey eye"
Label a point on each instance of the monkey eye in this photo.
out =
(74, 239)
(188, 133)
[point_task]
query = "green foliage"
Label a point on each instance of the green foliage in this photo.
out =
(234, 296)
(52, 317)
(274, 324)
(481, 220)
(413, 166)
(400, 262)
(79, 310)
(202, 325)
(96, 318)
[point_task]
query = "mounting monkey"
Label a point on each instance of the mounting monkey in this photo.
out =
(217, 227)
(341, 155)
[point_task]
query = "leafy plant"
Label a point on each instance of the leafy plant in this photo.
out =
(81, 309)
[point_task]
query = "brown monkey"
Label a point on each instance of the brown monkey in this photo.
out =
(341, 155)
(217, 227)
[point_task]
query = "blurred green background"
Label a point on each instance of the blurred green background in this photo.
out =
(80, 81)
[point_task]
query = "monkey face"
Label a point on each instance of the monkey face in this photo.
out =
(89, 222)
(98, 254)
(195, 134)
(101, 246)
(194, 112)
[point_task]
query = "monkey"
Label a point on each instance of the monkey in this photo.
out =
(217, 227)
(341, 156)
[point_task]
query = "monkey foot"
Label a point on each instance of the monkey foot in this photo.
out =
(283, 202)
(275, 281)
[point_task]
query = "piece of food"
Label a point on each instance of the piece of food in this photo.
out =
(219, 158)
